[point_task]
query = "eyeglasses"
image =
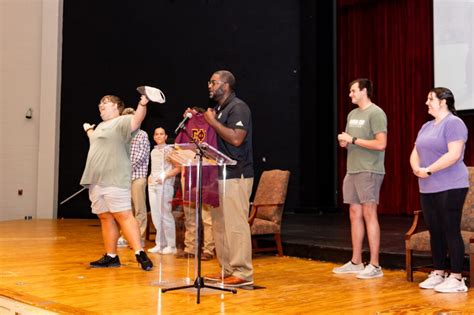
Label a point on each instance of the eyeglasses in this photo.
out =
(214, 82)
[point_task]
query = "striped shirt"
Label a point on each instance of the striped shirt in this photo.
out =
(140, 154)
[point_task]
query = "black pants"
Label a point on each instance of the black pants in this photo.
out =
(442, 212)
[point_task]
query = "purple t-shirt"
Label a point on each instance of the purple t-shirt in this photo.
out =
(431, 143)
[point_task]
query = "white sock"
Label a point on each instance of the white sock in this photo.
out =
(112, 255)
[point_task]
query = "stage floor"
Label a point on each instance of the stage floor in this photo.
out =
(44, 263)
(327, 237)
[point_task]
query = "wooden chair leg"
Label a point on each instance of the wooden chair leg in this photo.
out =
(278, 244)
(408, 264)
(254, 245)
(471, 269)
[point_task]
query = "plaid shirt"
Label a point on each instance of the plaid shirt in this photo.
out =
(140, 154)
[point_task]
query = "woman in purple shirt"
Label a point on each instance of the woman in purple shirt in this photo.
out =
(437, 160)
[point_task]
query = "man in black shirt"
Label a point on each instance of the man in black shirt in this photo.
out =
(232, 121)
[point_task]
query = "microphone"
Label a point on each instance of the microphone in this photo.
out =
(183, 122)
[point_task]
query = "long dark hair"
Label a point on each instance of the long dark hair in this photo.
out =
(443, 93)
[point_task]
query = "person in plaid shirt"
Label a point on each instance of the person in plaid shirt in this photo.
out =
(140, 157)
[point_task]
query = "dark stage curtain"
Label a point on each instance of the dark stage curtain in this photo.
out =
(390, 42)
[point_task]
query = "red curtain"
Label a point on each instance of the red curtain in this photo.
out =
(391, 43)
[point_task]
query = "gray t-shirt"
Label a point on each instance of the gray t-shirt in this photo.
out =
(365, 124)
(108, 160)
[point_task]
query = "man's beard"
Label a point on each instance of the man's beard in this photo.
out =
(217, 94)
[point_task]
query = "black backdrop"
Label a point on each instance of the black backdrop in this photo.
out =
(280, 51)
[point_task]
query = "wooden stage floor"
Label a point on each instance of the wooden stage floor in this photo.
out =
(44, 263)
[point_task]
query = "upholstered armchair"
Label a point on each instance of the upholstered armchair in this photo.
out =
(267, 209)
(420, 240)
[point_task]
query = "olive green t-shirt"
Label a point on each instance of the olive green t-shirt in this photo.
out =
(364, 124)
(108, 160)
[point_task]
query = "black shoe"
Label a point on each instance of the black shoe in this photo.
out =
(144, 261)
(106, 261)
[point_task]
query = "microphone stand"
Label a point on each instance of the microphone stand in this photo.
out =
(199, 281)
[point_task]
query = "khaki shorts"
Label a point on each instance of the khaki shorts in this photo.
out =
(362, 188)
(109, 199)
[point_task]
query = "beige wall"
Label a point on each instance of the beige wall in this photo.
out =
(30, 50)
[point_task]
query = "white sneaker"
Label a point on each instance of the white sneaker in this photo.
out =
(451, 285)
(433, 280)
(370, 272)
(121, 242)
(349, 267)
(155, 250)
(169, 250)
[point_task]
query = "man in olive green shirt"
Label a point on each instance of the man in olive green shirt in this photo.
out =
(365, 139)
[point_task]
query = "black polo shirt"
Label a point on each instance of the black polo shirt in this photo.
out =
(235, 114)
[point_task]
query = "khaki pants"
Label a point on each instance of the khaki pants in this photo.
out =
(139, 204)
(190, 224)
(231, 228)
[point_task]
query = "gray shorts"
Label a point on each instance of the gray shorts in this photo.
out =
(362, 188)
(109, 199)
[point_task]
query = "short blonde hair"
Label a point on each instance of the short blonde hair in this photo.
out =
(128, 111)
